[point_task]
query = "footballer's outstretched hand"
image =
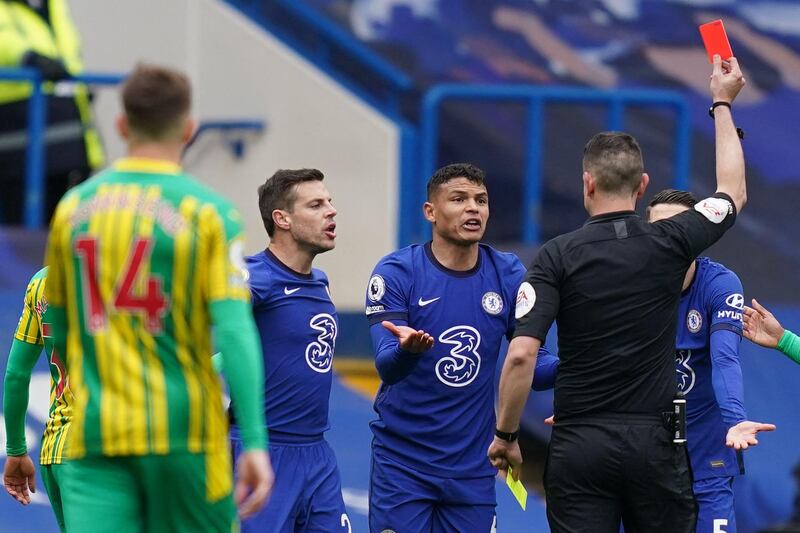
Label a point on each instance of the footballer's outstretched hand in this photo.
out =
(761, 326)
(19, 478)
(411, 340)
(254, 484)
(743, 435)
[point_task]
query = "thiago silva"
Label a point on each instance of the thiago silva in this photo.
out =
(438, 313)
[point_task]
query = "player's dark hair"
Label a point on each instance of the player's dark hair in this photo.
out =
(453, 171)
(672, 196)
(614, 159)
(156, 99)
(280, 192)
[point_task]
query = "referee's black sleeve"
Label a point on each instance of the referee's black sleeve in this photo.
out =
(696, 229)
(539, 295)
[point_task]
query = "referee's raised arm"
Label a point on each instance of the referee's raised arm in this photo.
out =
(613, 287)
(726, 82)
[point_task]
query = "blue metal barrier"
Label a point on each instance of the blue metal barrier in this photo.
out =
(537, 97)
(332, 38)
(35, 149)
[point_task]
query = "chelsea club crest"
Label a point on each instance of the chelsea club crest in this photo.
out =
(694, 321)
(492, 303)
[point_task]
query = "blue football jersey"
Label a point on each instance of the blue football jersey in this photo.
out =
(713, 302)
(440, 417)
(297, 322)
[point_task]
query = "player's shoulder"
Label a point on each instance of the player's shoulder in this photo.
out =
(40, 275)
(507, 263)
(319, 275)
(401, 260)
(716, 278)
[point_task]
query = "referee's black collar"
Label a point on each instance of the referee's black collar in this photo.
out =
(614, 215)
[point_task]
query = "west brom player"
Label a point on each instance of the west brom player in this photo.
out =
(438, 313)
(709, 376)
(297, 322)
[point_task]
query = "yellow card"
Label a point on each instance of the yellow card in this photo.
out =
(517, 489)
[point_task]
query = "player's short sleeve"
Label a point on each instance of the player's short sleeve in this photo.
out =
(221, 228)
(260, 280)
(58, 250)
(513, 278)
(726, 302)
(29, 328)
(694, 230)
(538, 297)
(388, 291)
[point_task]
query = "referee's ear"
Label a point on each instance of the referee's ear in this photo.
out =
(643, 185)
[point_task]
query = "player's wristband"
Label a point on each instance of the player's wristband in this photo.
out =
(790, 345)
(739, 131)
(508, 437)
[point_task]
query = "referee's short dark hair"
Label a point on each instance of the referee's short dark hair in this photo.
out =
(156, 101)
(672, 196)
(280, 192)
(453, 171)
(614, 159)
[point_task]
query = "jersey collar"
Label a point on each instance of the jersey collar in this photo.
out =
(147, 165)
(605, 217)
(455, 273)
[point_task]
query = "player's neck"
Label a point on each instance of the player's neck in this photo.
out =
(601, 205)
(689, 275)
(455, 256)
(292, 255)
(163, 152)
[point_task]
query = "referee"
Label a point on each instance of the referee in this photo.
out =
(613, 286)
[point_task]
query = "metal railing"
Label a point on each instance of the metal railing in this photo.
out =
(35, 164)
(537, 97)
(35, 153)
(330, 40)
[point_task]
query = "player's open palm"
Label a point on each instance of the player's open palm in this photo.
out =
(410, 339)
(255, 479)
(19, 478)
(743, 435)
(761, 326)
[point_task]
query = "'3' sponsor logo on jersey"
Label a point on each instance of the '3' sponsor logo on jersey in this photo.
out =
(686, 375)
(319, 353)
(461, 366)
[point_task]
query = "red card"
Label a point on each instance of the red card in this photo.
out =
(716, 40)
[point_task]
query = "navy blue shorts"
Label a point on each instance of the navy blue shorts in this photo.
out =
(307, 495)
(402, 499)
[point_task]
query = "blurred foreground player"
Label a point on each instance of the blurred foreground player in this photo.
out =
(613, 286)
(438, 314)
(33, 333)
(297, 321)
(143, 262)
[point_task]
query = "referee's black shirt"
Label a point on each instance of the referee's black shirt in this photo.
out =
(613, 287)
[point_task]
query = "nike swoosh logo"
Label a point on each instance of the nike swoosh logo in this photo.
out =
(287, 291)
(423, 303)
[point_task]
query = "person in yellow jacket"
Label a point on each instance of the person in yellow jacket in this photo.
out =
(40, 34)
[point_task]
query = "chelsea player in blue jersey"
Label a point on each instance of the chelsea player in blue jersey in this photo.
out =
(438, 313)
(709, 376)
(298, 325)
